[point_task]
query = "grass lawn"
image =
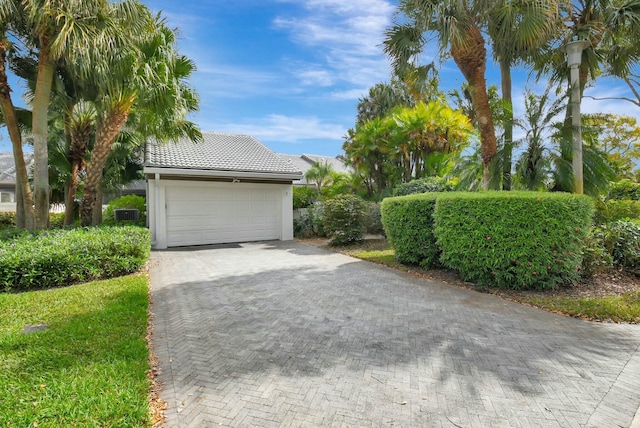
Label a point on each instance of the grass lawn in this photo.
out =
(89, 368)
(622, 308)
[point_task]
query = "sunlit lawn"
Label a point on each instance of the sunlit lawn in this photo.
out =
(89, 368)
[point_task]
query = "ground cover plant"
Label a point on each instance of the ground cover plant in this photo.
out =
(88, 368)
(61, 257)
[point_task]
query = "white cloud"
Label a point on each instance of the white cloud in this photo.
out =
(346, 38)
(281, 128)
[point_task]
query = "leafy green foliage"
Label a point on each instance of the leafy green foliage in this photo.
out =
(344, 219)
(373, 219)
(622, 240)
(596, 259)
(422, 185)
(408, 223)
(513, 239)
(310, 222)
(303, 196)
(56, 220)
(617, 209)
(89, 368)
(624, 189)
(56, 258)
(7, 218)
(133, 202)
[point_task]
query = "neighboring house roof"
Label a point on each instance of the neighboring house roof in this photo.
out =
(304, 162)
(8, 167)
(219, 152)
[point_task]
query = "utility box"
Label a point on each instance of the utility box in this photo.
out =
(126, 214)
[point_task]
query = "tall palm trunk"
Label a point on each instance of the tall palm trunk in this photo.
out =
(471, 58)
(505, 73)
(106, 135)
(24, 200)
(77, 153)
(41, 97)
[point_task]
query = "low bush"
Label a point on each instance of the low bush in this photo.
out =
(344, 219)
(422, 185)
(310, 221)
(66, 256)
(513, 239)
(132, 202)
(304, 196)
(622, 241)
(617, 209)
(596, 258)
(624, 189)
(408, 223)
(7, 218)
(56, 220)
(373, 219)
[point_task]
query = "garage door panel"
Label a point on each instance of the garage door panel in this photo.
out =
(215, 214)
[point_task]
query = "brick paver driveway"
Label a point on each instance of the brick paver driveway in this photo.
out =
(286, 334)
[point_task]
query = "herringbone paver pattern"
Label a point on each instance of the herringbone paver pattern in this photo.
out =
(288, 335)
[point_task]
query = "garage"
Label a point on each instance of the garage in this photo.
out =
(227, 189)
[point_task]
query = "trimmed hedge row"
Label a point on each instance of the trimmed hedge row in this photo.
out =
(55, 258)
(408, 224)
(503, 239)
(8, 218)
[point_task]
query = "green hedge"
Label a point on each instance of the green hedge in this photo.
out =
(8, 218)
(344, 218)
(513, 239)
(62, 257)
(622, 241)
(408, 224)
(617, 209)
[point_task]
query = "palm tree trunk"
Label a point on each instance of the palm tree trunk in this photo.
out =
(41, 96)
(105, 137)
(24, 202)
(505, 73)
(471, 59)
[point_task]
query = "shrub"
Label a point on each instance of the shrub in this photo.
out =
(513, 239)
(408, 223)
(596, 259)
(304, 196)
(344, 219)
(422, 185)
(373, 219)
(66, 256)
(310, 222)
(624, 189)
(7, 218)
(617, 209)
(622, 240)
(56, 220)
(133, 202)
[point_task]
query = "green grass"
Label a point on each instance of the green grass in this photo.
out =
(89, 368)
(625, 308)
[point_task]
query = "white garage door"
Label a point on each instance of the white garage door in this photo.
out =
(215, 213)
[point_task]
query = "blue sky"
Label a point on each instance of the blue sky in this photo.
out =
(290, 72)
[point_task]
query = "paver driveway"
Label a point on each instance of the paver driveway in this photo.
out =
(286, 334)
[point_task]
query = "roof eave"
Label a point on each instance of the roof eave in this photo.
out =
(221, 173)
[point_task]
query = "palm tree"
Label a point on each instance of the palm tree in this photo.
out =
(458, 26)
(152, 84)
(59, 30)
(320, 174)
(24, 213)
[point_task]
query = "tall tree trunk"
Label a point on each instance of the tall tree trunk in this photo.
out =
(471, 59)
(96, 215)
(24, 203)
(505, 73)
(106, 135)
(40, 131)
(77, 152)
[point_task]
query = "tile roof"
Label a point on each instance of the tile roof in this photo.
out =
(218, 152)
(336, 163)
(8, 166)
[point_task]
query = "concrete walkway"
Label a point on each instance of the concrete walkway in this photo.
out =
(285, 334)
